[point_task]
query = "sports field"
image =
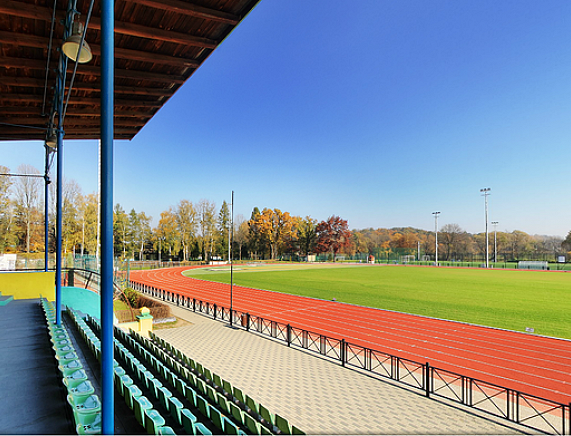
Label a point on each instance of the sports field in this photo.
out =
(513, 300)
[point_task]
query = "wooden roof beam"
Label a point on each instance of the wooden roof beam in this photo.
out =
(19, 63)
(73, 121)
(190, 9)
(89, 111)
(91, 86)
(76, 100)
(18, 9)
(24, 40)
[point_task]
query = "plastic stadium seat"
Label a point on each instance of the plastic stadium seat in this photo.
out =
(166, 430)
(199, 429)
(175, 407)
(188, 419)
(139, 405)
(163, 394)
(84, 404)
(295, 430)
(227, 387)
(223, 403)
(211, 393)
(252, 405)
(203, 406)
(132, 392)
(252, 424)
(77, 375)
(282, 424)
(191, 396)
(230, 427)
(181, 386)
(70, 366)
(81, 387)
(267, 417)
(153, 420)
(236, 413)
(155, 385)
(239, 395)
(217, 419)
(89, 424)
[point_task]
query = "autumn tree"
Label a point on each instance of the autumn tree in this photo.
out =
(333, 236)
(186, 219)
(275, 228)
(28, 207)
(6, 211)
(307, 235)
(166, 233)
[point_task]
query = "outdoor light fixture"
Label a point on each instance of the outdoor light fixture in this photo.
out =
(71, 45)
(51, 142)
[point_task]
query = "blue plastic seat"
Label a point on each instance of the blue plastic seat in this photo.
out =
(200, 429)
(175, 408)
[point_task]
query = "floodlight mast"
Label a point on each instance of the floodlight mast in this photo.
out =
(485, 193)
(435, 237)
(495, 224)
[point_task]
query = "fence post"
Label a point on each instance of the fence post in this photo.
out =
(288, 335)
(427, 380)
(194, 304)
(247, 322)
(214, 311)
(343, 352)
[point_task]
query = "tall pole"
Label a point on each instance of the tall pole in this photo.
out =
(436, 237)
(485, 193)
(46, 209)
(230, 256)
(107, 87)
(495, 224)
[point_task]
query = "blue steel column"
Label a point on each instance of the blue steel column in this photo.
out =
(107, 73)
(46, 210)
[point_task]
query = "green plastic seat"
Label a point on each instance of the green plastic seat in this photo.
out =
(200, 429)
(163, 394)
(70, 366)
(153, 421)
(175, 408)
(223, 403)
(282, 424)
(77, 375)
(188, 419)
(230, 427)
(166, 430)
(236, 413)
(295, 430)
(217, 419)
(252, 405)
(227, 387)
(140, 404)
(79, 387)
(84, 404)
(203, 406)
(191, 396)
(154, 387)
(89, 424)
(252, 424)
(211, 393)
(124, 383)
(239, 395)
(267, 417)
(181, 386)
(132, 392)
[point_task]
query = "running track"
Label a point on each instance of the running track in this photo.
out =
(530, 364)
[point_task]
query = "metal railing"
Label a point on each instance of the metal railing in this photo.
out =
(537, 413)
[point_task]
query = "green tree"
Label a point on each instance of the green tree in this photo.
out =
(28, 208)
(223, 228)
(7, 238)
(307, 235)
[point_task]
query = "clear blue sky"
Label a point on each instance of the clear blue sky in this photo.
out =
(381, 112)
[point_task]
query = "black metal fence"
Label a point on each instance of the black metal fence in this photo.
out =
(529, 410)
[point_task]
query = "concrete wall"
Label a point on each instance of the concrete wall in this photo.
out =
(27, 285)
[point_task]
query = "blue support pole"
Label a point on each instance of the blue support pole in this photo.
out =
(59, 222)
(46, 210)
(107, 78)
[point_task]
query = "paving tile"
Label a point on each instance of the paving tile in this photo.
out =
(315, 394)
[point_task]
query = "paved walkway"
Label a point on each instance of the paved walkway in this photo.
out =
(315, 394)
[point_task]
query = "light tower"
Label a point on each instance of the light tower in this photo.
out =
(485, 193)
(495, 224)
(436, 237)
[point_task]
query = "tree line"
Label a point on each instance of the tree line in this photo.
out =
(202, 231)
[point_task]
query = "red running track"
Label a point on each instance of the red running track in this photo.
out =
(530, 364)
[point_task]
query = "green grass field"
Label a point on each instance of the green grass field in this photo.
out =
(507, 299)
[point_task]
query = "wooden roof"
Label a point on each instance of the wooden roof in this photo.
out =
(158, 45)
